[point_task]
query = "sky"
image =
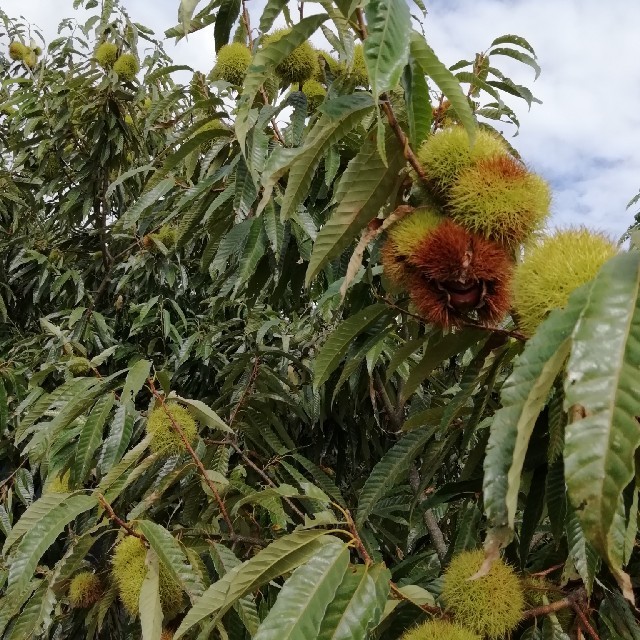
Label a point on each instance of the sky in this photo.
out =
(584, 138)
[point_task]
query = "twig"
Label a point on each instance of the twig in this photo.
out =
(119, 521)
(391, 117)
(394, 414)
(257, 542)
(583, 620)
(247, 389)
(194, 456)
(538, 612)
(503, 332)
(546, 572)
(429, 519)
(264, 476)
(247, 23)
(351, 525)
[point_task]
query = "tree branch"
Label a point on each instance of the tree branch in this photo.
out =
(538, 612)
(264, 476)
(429, 518)
(388, 111)
(395, 415)
(119, 521)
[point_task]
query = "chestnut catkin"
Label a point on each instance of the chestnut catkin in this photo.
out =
(457, 274)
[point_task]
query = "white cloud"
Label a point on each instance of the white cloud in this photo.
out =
(583, 139)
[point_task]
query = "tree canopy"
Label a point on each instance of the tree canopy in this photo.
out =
(287, 350)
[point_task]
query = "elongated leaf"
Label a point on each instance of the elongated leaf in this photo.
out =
(172, 557)
(280, 557)
(581, 552)
(252, 253)
(335, 348)
(271, 12)
(114, 476)
(524, 395)
(90, 439)
(36, 512)
(246, 191)
(357, 605)
(339, 116)
(119, 437)
(228, 13)
(424, 55)
(305, 596)
(136, 378)
(40, 537)
(418, 103)
(224, 561)
(511, 39)
(149, 602)
(205, 414)
(185, 13)
(151, 197)
(438, 349)
(386, 48)
(517, 55)
(364, 188)
(602, 379)
(394, 464)
(4, 407)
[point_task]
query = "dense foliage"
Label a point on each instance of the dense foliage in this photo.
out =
(219, 416)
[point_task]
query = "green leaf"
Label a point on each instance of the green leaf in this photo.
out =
(363, 189)
(523, 396)
(511, 39)
(172, 557)
(603, 376)
(36, 512)
(118, 440)
(424, 55)
(40, 537)
(114, 476)
(386, 48)
(517, 55)
(335, 348)
(149, 603)
(146, 201)
(224, 560)
(418, 103)
(305, 596)
(90, 439)
(339, 116)
(4, 407)
(280, 557)
(136, 378)
(205, 415)
(393, 465)
(271, 12)
(357, 605)
(438, 349)
(246, 192)
(584, 556)
(185, 13)
(225, 19)
(253, 251)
